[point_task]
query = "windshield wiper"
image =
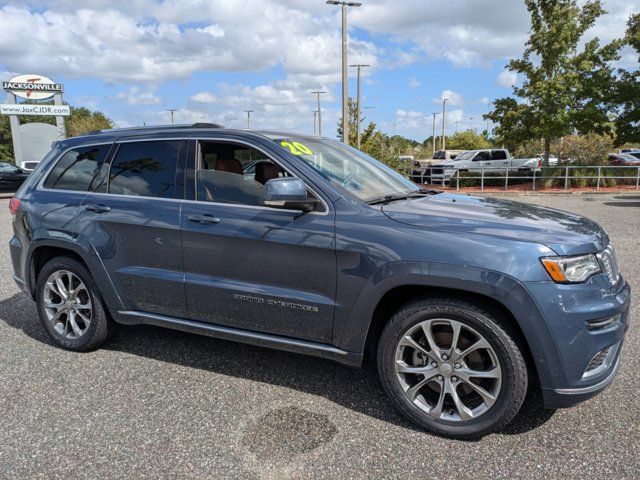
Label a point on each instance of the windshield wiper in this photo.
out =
(422, 192)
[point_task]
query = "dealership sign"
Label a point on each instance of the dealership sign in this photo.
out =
(32, 87)
(34, 109)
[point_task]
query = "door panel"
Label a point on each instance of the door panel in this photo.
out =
(138, 241)
(260, 269)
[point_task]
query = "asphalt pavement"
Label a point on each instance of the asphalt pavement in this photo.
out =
(158, 403)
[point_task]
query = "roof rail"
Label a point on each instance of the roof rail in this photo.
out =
(157, 127)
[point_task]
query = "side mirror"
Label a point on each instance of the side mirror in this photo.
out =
(288, 193)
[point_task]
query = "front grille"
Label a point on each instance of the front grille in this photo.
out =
(609, 264)
(437, 171)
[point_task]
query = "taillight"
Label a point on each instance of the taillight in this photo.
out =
(14, 205)
(539, 163)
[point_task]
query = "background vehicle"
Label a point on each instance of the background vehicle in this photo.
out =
(477, 160)
(305, 244)
(420, 172)
(11, 177)
(622, 159)
(28, 166)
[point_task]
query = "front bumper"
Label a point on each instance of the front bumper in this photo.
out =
(568, 311)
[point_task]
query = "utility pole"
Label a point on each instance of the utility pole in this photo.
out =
(358, 66)
(457, 122)
(345, 91)
(370, 117)
(315, 118)
(433, 135)
(249, 117)
(318, 93)
(172, 110)
(444, 103)
(488, 111)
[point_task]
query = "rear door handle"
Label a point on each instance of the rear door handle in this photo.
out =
(205, 219)
(97, 208)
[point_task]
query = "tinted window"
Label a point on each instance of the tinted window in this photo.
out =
(484, 155)
(145, 168)
(78, 168)
(499, 155)
(235, 174)
(439, 155)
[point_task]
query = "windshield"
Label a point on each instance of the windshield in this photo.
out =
(348, 168)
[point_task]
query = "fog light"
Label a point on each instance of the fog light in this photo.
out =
(603, 324)
(600, 361)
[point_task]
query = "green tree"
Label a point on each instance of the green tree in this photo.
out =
(467, 140)
(627, 94)
(82, 120)
(563, 88)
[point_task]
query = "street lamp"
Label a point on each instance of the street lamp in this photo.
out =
(345, 108)
(172, 110)
(248, 112)
(444, 103)
(318, 93)
(433, 135)
(359, 66)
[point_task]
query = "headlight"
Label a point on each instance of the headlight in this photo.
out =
(571, 269)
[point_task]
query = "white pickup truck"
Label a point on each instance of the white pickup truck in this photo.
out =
(495, 160)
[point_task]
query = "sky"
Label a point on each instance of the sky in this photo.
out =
(213, 59)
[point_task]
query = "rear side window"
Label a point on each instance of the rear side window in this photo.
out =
(499, 155)
(145, 168)
(77, 168)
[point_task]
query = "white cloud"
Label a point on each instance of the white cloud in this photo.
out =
(453, 98)
(506, 79)
(136, 96)
(203, 97)
(484, 101)
(414, 82)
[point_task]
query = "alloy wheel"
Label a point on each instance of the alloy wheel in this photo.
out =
(448, 369)
(67, 304)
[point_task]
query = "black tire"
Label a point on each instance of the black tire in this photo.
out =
(513, 386)
(101, 327)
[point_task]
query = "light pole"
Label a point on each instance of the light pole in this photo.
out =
(444, 103)
(370, 117)
(457, 122)
(345, 93)
(433, 135)
(318, 93)
(171, 110)
(359, 66)
(248, 118)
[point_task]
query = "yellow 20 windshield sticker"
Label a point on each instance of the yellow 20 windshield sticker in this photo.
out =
(297, 148)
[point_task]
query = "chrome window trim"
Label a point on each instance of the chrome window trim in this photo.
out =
(270, 157)
(112, 195)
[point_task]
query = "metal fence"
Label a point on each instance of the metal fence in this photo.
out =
(565, 175)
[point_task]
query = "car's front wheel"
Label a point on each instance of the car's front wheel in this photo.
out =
(70, 306)
(452, 368)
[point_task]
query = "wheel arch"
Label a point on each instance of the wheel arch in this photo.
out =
(43, 250)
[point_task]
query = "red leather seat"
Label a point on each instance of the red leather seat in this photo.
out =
(266, 171)
(230, 165)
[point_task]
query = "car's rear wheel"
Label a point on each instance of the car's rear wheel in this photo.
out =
(450, 367)
(70, 306)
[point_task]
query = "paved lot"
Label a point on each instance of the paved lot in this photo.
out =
(157, 403)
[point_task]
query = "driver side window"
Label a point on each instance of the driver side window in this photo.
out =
(231, 173)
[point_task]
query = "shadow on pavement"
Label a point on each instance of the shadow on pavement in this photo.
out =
(622, 204)
(355, 389)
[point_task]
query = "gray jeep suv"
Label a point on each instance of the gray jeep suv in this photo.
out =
(305, 244)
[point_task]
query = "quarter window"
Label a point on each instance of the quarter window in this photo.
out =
(145, 168)
(78, 168)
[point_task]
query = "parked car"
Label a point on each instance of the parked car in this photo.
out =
(11, 177)
(28, 166)
(553, 160)
(629, 150)
(496, 160)
(459, 300)
(421, 172)
(624, 159)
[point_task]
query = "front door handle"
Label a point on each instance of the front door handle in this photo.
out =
(205, 219)
(97, 208)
